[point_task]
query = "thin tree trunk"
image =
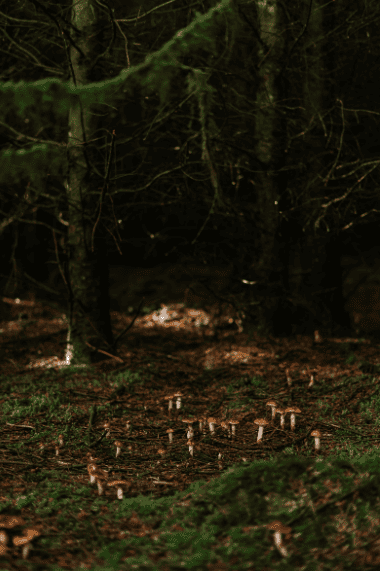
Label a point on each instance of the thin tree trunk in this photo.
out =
(269, 127)
(88, 278)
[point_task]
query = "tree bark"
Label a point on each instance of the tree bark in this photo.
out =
(270, 137)
(87, 268)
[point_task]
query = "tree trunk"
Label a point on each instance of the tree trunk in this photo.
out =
(87, 268)
(270, 136)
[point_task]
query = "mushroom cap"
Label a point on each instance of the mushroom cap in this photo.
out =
(118, 443)
(30, 533)
(188, 420)
(92, 468)
(233, 421)
(21, 540)
(211, 419)
(161, 451)
(261, 421)
(278, 526)
(170, 430)
(316, 433)
(271, 403)
(117, 483)
(280, 410)
(169, 397)
(177, 395)
(294, 409)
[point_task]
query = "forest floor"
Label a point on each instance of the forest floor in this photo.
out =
(211, 499)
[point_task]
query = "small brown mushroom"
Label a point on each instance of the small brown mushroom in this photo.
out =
(311, 383)
(317, 434)
(189, 422)
(118, 446)
(293, 410)
(119, 485)
(170, 434)
(232, 424)
(261, 422)
(161, 452)
(278, 529)
(170, 402)
(201, 421)
(212, 422)
(106, 426)
(178, 397)
(92, 468)
(25, 540)
(273, 405)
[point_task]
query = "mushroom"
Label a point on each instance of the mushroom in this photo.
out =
(293, 410)
(225, 426)
(282, 413)
(317, 337)
(201, 421)
(25, 540)
(118, 446)
(317, 434)
(161, 451)
(273, 405)
(170, 434)
(106, 427)
(189, 422)
(178, 397)
(261, 422)
(101, 476)
(170, 403)
(128, 425)
(118, 484)
(212, 421)
(278, 529)
(233, 423)
(311, 383)
(289, 380)
(92, 468)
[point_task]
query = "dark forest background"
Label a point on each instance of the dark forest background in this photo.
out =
(257, 152)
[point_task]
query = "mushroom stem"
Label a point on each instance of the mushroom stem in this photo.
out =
(260, 433)
(278, 543)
